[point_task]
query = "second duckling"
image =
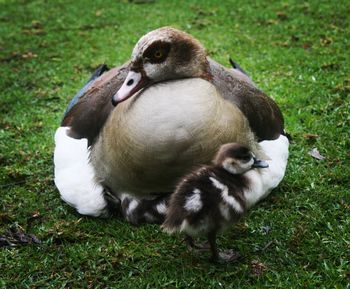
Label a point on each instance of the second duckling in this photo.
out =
(210, 198)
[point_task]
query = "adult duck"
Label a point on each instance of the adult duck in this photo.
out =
(141, 126)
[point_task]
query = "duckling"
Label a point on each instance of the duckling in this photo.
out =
(210, 198)
(137, 211)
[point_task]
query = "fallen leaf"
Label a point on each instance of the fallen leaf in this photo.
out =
(326, 40)
(311, 136)
(316, 154)
(35, 215)
(307, 46)
(257, 268)
(16, 236)
(282, 15)
(29, 55)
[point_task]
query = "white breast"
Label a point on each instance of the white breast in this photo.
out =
(167, 115)
(153, 138)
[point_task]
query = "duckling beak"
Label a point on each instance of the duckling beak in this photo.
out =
(134, 82)
(260, 164)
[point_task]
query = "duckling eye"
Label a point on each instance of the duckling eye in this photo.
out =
(246, 158)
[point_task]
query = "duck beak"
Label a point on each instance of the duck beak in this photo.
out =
(260, 164)
(134, 82)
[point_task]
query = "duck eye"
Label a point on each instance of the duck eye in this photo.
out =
(158, 54)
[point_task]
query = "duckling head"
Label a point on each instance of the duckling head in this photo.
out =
(163, 54)
(237, 159)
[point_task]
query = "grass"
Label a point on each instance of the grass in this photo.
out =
(297, 52)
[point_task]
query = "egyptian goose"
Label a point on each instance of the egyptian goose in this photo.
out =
(174, 108)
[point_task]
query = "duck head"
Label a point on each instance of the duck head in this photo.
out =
(163, 54)
(237, 159)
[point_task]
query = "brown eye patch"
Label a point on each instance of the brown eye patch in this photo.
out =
(241, 153)
(246, 158)
(157, 52)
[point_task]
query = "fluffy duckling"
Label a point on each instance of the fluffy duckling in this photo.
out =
(138, 211)
(210, 198)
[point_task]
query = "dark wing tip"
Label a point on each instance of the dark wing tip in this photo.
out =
(102, 68)
(235, 65)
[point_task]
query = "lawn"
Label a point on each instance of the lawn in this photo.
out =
(296, 51)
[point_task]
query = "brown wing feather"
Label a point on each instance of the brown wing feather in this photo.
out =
(263, 114)
(88, 115)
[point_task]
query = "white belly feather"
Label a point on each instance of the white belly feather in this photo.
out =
(157, 135)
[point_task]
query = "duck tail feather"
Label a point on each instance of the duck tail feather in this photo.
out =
(173, 220)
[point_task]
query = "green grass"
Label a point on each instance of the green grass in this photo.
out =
(297, 52)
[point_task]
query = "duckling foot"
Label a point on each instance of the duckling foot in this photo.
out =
(192, 246)
(221, 257)
(225, 257)
(113, 207)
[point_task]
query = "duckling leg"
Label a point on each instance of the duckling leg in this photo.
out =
(191, 245)
(189, 242)
(220, 257)
(213, 248)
